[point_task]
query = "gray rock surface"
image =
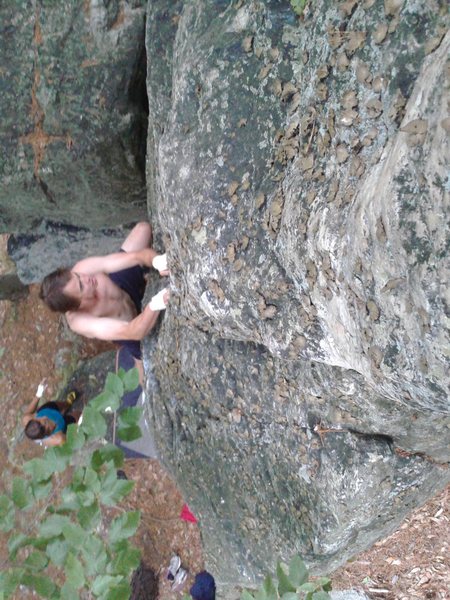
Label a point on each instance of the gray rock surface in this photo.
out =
(73, 125)
(297, 176)
(348, 595)
(54, 245)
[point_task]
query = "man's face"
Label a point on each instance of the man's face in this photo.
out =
(81, 286)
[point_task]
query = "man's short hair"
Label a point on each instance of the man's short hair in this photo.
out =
(52, 294)
(35, 430)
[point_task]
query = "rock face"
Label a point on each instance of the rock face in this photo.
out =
(74, 115)
(296, 172)
(53, 245)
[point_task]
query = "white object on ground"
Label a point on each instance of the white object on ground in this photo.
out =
(40, 390)
(160, 262)
(157, 302)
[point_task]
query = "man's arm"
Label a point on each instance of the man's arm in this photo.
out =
(115, 262)
(109, 329)
(57, 439)
(32, 406)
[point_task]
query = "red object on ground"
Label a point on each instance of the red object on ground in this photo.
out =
(187, 515)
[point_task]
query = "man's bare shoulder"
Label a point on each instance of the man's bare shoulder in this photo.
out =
(80, 321)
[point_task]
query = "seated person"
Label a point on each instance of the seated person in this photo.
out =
(49, 423)
(101, 295)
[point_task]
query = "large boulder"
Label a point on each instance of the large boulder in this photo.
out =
(297, 176)
(53, 245)
(74, 114)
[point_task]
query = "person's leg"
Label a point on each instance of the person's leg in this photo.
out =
(139, 237)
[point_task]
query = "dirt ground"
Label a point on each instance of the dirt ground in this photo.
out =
(412, 563)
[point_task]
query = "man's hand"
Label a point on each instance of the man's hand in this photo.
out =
(160, 264)
(160, 300)
(146, 256)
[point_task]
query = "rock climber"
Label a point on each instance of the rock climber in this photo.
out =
(101, 295)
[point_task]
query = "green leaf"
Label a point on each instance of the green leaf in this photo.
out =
(269, 588)
(39, 469)
(57, 551)
(324, 582)
(74, 572)
(114, 385)
(308, 587)
(95, 555)
(90, 516)
(7, 513)
(53, 526)
(41, 584)
(94, 424)
(107, 453)
(113, 489)
(58, 458)
(9, 580)
(245, 595)
(121, 591)
(41, 489)
(21, 493)
(69, 500)
(75, 437)
(124, 526)
(289, 596)
(68, 592)
(86, 484)
(36, 561)
(298, 573)
(105, 401)
(129, 416)
(261, 594)
(125, 561)
(74, 534)
(129, 433)
(130, 379)
(103, 583)
(284, 585)
(17, 541)
(320, 596)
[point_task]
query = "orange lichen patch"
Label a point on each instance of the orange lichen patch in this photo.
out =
(120, 18)
(89, 62)
(39, 139)
(37, 38)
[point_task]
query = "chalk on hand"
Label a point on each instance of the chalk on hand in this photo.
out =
(157, 302)
(160, 262)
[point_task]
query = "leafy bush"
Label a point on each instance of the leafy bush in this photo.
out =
(292, 582)
(54, 512)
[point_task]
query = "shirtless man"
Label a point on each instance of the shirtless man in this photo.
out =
(101, 295)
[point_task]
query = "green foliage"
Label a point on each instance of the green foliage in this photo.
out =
(298, 6)
(53, 512)
(291, 583)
